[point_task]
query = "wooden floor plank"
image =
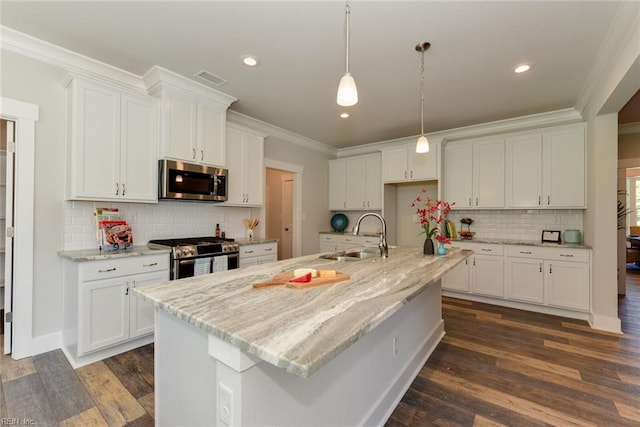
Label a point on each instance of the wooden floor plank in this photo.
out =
(11, 369)
(26, 399)
(66, 392)
(148, 403)
(90, 417)
(134, 370)
(3, 404)
(115, 403)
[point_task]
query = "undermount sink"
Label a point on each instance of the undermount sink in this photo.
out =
(351, 256)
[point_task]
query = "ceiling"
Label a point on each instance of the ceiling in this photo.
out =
(468, 77)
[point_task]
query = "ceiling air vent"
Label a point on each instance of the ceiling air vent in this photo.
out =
(211, 78)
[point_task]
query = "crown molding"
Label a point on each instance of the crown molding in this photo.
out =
(73, 62)
(628, 128)
(534, 121)
(277, 132)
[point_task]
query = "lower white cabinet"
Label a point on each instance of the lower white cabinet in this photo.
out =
(481, 273)
(337, 242)
(102, 316)
(259, 253)
(532, 277)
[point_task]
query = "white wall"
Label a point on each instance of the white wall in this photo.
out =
(38, 83)
(315, 180)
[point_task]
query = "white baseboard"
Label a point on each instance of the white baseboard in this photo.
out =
(605, 323)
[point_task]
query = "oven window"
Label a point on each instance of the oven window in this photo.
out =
(190, 182)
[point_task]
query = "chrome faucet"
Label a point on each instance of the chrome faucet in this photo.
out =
(384, 249)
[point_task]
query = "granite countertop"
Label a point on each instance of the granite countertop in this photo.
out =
(522, 243)
(255, 241)
(85, 255)
(349, 233)
(299, 330)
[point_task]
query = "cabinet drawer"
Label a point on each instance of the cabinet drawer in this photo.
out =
(525, 252)
(480, 248)
(571, 255)
(116, 267)
(329, 238)
(258, 250)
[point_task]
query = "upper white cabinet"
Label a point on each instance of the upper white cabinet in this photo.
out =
(113, 143)
(193, 118)
(546, 169)
(355, 184)
(245, 162)
(402, 164)
(474, 175)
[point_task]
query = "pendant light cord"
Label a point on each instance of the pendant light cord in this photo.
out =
(347, 12)
(422, 95)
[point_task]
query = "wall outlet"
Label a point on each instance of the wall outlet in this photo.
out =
(225, 404)
(395, 346)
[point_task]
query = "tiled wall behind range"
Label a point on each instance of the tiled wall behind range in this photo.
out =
(518, 224)
(167, 219)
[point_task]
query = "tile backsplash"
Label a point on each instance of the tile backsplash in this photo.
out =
(167, 219)
(518, 224)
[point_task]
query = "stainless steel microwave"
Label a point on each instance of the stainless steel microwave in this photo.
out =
(187, 181)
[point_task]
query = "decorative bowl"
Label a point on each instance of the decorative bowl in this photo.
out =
(339, 222)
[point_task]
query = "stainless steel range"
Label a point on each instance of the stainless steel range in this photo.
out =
(193, 256)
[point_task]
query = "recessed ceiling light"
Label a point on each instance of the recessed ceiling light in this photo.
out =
(522, 68)
(344, 115)
(250, 61)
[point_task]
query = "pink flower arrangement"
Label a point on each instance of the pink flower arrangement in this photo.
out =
(430, 210)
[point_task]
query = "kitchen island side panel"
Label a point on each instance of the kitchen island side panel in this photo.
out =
(361, 386)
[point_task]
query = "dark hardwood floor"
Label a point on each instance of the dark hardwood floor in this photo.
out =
(495, 366)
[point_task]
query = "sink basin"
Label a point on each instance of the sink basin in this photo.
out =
(351, 256)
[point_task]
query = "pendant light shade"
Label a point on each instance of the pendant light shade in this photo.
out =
(422, 145)
(347, 91)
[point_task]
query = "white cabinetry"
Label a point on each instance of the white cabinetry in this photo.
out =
(193, 118)
(546, 169)
(113, 143)
(102, 317)
(402, 164)
(474, 175)
(482, 273)
(245, 162)
(355, 183)
(555, 277)
(338, 242)
(259, 253)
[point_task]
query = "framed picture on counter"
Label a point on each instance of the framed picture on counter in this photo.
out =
(550, 236)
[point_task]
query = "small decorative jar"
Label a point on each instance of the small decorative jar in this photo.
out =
(441, 249)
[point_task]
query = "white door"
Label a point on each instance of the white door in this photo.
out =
(287, 220)
(488, 173)
(6, 281)
(142, 313)
(458, 178)
(488, 275)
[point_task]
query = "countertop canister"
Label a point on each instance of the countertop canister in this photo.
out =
(572, 236)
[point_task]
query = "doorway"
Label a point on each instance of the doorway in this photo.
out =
(283, 207)
(7, 178)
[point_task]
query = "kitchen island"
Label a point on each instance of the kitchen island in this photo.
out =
(339, 354)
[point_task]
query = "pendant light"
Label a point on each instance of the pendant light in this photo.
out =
(347, 91)
(422, 146)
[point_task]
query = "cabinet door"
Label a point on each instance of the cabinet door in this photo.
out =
(373, 182)
(458, 164)
(487, 275)
(234, 154)
(524, 171)
(488, 173)
(567, 285)
(179, 117)
(423, 166)
(394, 165)
(211, 134)
(139, 148)
(525, 280)
(94, 154)
(457, 279)
(564, 168)
(103, 313)
(253, 155)
(337, 185)
(355, 184)
(141, 313)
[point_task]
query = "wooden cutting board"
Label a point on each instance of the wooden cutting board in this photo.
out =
(284, 279)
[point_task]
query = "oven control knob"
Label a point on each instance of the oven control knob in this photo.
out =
(177, 252)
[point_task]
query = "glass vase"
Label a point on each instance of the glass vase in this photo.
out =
(441, 249)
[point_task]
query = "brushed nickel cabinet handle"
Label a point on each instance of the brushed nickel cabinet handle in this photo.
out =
(107, 270)
(153, 264)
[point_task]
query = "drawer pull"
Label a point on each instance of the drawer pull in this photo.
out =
(268, 249)
(566, 255)
(525, 252)
(107, 270)
(153, 264)
(248, 252)
(486, 250)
